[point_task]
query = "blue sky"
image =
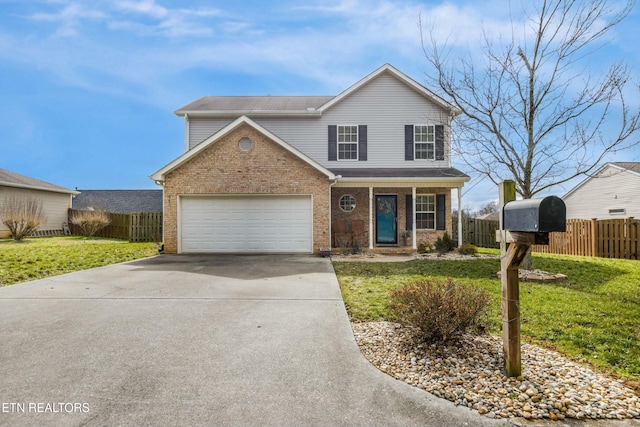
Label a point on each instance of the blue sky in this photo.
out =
(88, 88)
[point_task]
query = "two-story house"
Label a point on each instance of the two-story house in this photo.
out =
(301, 173)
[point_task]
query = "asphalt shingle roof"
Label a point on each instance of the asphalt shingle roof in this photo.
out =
(255, 103)
(399, 173)
(632, 166)
(119, 201)
(16, 180)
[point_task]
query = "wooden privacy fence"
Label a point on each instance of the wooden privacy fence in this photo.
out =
(479, 232)
(134, 227)
(605, 238)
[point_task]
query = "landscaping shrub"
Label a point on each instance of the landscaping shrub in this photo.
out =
(440, 310)
(424, 248)
(445, 244)
(90, 221)
(21, 215)
(468, 249)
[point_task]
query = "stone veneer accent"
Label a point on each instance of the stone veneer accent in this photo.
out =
(361, 212)
(268, 168)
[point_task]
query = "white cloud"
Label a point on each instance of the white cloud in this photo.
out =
(144, 7)
(136, 48)
(69, 18)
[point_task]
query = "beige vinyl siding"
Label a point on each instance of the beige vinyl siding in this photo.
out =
(384, 104)
(54, 205)
(613, 188)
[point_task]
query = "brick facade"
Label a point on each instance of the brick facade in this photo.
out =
(361, 211)
(267, 168)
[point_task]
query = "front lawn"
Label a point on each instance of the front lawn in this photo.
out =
(592, 316)
(37, 258)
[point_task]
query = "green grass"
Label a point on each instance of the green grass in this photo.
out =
(593, 316)
(50, 256)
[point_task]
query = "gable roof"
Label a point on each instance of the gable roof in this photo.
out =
(119, 201)
(12, 179)
(629, 166)
(223, 106)
(159, 175)
(632, 167)
(391, 70)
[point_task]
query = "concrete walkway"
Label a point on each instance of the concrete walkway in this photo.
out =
(198, 340)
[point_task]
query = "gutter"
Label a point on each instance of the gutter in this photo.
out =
(252, 113)
(35, 187)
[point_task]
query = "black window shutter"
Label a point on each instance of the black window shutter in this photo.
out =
(409, 212)
(362, 142)
(441, 211)
(439, 142)
(333, 142)
(408, 142)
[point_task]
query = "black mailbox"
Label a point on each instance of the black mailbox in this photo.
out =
(535, 215)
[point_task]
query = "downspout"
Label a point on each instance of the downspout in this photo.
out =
(335, 181)
(186, 133)
(161, 183)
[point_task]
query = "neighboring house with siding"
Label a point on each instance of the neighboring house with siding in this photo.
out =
(611, 192)
(301, 173)
(56, 200)
(119, 201)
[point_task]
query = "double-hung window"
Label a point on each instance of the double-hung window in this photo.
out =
(424, 140)
(426, 211)
(347, 142)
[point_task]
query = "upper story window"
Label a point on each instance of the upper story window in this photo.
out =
(347, 142)
(424, 140)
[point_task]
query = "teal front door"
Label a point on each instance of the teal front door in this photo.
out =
(386, 219)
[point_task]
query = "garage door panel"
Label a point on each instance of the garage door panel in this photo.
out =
(246, 224)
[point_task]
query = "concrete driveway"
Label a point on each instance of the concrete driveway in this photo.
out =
(197, 340)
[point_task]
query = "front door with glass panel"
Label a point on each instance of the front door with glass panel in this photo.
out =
(386, 219)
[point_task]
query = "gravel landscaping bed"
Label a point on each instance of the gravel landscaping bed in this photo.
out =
(471, 374)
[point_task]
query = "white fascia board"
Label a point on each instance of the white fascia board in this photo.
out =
(35, 187)
(159, 175)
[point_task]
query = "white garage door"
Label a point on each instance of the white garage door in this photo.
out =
(245, 224)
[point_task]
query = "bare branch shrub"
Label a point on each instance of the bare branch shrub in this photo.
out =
(440, 310)
(21, 215)
(90, 221)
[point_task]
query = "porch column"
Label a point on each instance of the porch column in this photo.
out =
(413, 209)
(370, 217)
(459, 216)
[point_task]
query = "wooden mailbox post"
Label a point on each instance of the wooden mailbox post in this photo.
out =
(523, 223)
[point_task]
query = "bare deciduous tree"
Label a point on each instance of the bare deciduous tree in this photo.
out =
(21, 215)
(532, 110)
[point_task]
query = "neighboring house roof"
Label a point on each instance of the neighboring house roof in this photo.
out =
(159, 175)
(119, 201)
(297, 105)
(493, 216)
(12, 179)
(632, 167)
